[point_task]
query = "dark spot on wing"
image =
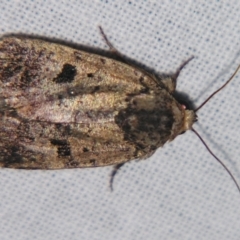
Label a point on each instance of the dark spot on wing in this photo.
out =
(93, 162)
(11, 157)
(26, 78)
(103, 60)
(85, 149)
(9, 71)
(63, 147)
(95, 89)
(67, 74)
(90, 75)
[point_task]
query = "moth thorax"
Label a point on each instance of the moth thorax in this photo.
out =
(190, 117)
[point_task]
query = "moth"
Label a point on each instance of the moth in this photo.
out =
(61, 107)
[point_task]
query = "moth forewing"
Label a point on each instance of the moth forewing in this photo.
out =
(65, 108)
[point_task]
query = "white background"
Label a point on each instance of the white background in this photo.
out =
(181, 192)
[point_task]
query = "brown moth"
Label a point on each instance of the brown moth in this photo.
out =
(65, 108)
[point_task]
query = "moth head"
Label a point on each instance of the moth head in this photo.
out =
(190, 117)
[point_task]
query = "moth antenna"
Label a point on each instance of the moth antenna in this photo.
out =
(210, 151)
(175, 76)
(218, 90)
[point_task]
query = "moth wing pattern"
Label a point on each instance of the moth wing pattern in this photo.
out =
(65, 108)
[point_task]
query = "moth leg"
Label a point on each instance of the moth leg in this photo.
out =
(112, 48)
(113, 173)
(171, 82)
